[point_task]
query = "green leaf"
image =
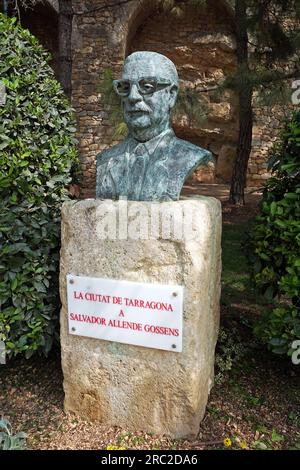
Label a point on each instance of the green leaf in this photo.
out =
(14, 284)
(273, 208)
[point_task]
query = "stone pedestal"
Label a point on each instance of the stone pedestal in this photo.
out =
(134, 387)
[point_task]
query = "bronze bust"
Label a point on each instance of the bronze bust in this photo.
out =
(151, 164)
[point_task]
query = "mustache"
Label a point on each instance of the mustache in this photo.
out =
(141, 107)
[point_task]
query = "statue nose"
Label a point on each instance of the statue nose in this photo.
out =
(134, 95)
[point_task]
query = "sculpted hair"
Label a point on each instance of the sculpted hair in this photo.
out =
(159, 61)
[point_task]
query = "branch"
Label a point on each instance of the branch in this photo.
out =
(264, 81)
(286, 76)
(252, 43)
(18, 10)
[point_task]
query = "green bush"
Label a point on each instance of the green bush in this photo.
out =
(37, 157)
(275, 244)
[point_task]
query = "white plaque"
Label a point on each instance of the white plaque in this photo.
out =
(148, 315)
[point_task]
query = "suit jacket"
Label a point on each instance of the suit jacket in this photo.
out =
(150, 171)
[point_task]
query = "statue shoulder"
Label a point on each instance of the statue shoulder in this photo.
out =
(111, 152)
(187, 150)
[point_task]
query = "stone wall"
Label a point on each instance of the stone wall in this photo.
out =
(267, 127)
(98, 44)
(202, 47)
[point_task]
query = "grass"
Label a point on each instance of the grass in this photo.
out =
(238, 294)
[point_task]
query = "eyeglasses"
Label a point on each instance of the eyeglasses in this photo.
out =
(145, 85)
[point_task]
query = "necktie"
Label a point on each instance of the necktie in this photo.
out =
(137, 166)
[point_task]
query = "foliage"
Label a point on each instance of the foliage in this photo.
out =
(37, 156)
(8, 440)
(29, 3)
(229, 353)
(193, 105)
(275, 244)
(112, 102)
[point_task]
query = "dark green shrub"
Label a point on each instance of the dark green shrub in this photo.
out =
(275, 244)
(37, 155)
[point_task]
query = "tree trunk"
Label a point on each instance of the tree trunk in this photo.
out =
(64, 43)
(245, 92)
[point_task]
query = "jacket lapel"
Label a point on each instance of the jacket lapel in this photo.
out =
(158, 168)
(117, 168)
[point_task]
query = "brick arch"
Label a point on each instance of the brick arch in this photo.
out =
(42, 22)
(203, 49)
(138, 11)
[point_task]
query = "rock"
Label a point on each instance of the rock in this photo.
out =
(225, 41)
(225, 162)
(203, 174)
(220, 112)
(129, 386)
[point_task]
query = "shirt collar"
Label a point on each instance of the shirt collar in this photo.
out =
(152, 144)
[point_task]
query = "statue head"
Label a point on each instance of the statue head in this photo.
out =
(148, 91)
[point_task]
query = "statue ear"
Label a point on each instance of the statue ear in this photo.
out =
(173, 95)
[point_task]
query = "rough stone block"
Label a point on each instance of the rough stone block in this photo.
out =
(130, 386)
